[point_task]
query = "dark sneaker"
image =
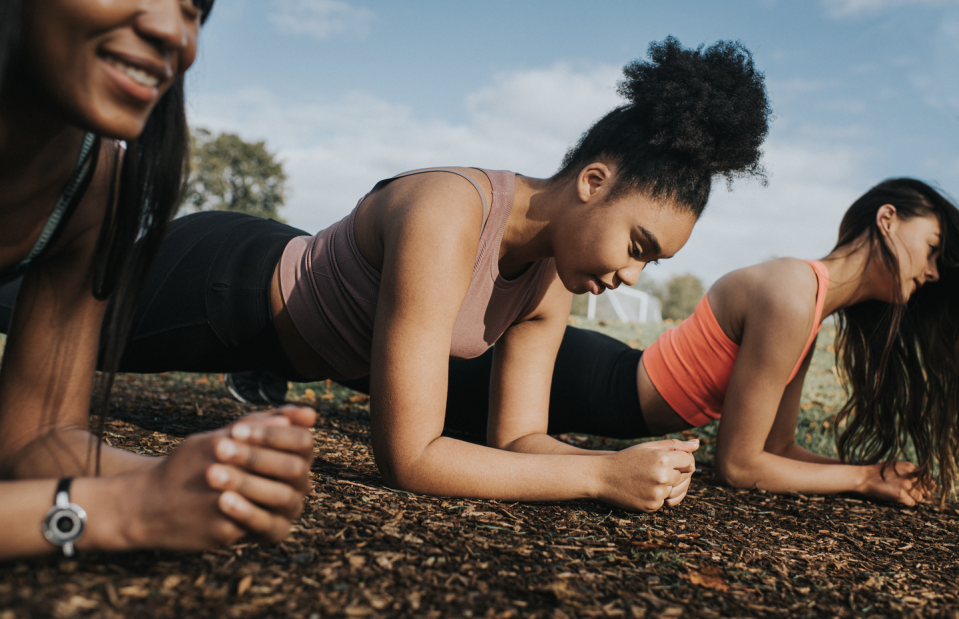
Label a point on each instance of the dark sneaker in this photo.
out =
(256, 387)
(272, 388)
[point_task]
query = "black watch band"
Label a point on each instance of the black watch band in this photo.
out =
(65, 522)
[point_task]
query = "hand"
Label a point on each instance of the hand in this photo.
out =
(644, 477)
(896, 485)
(214, 489)
(275, 444)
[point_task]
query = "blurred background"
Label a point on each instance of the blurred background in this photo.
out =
(307, 103)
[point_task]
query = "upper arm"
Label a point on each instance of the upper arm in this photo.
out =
(523, 365)
(774, 334)
(783, 431)
(427, 268)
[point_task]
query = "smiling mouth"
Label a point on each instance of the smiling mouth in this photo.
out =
(138, 75)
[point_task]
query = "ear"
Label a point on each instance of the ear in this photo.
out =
(886, 219)
(593, 182)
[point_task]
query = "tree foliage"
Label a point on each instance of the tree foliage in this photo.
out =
(680, 295)
(229, 174)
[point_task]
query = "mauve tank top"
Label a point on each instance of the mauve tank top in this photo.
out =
(331, 291)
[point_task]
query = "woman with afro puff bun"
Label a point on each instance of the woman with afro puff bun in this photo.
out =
(443, 263)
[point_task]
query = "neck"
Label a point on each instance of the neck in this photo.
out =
(526, 237)
(853, 278)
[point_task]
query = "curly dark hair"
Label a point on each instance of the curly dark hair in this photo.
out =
(900, 360)
(692, 114)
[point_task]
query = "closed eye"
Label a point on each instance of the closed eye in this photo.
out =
(636, 252)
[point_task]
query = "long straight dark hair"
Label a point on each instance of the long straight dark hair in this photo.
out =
(152, 178)
(900, 361)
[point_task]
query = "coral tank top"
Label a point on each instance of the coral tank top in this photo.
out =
(691, 365)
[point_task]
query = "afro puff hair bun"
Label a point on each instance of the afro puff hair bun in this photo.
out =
(691, 114)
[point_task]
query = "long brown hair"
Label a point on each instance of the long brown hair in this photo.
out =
(900, 361)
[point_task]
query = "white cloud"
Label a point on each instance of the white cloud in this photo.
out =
(335, 150)
(321, 18)
(838, 9)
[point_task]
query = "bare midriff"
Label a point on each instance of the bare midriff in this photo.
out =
(659, 415)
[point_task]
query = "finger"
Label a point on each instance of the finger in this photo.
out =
(255, 520)
(675, 500)
(673, 444)
(681, 488)
(275, 496)
(293, 439)
(290, 414)
(685, 462)
(286, 467)
(302, 416)
(906, 499)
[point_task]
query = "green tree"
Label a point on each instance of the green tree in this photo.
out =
(229, 174)
(681, 294)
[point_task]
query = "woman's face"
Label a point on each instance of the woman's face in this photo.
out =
(609, 243)
(916, 243)
(105, 63)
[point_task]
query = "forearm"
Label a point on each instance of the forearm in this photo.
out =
(546, 444)
(23, 505)
(795, 452)
(72, 451)
(775, 473)
(448, 467)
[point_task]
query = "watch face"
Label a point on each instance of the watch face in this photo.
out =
(63, 525)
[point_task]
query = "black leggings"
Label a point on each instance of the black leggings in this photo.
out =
(205, 308)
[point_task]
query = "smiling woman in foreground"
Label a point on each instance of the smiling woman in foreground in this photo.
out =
(76, 78)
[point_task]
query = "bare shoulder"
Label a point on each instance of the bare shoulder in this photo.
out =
(439, 208)
(779, 294)
(448, 196)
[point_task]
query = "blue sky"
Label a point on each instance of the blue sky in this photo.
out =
(349, 92)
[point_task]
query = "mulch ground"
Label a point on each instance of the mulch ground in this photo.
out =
(362, 549)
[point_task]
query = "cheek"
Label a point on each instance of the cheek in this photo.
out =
(189, 53)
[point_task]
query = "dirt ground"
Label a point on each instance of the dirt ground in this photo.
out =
(362, 549)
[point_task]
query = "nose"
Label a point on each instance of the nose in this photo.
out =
(164, 23)
(932, 271)
(630, 275)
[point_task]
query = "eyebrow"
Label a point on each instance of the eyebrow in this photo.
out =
(651, 238)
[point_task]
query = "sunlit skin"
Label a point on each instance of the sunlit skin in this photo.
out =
(102, 66)
(768, 309)
(426, 258)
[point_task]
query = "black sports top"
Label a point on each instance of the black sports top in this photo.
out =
(64, 208)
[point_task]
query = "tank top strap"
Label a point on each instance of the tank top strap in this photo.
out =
(822, 276)
(66, 203)
(479, 189)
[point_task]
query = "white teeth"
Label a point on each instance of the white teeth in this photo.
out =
(138, 75)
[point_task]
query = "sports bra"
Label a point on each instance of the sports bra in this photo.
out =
(63, 209)
(331, 291)
(691, 365)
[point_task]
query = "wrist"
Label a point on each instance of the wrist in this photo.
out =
(113, 523)
(598, 471)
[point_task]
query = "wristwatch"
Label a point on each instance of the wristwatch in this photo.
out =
(65, 522)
